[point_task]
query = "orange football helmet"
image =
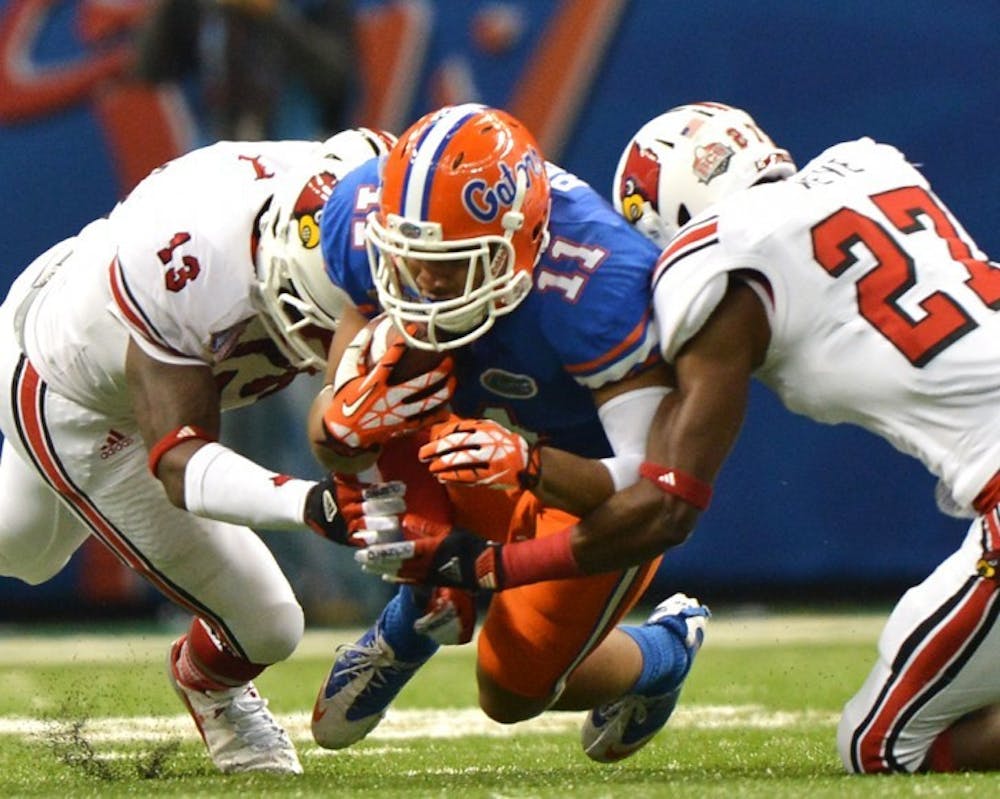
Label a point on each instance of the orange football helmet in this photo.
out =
(465, 184)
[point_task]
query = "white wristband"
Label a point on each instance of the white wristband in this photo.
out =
(222, 484)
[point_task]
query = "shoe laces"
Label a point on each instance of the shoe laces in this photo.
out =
(635, 708)
(377, 657)
(247, 712)
(631, 706)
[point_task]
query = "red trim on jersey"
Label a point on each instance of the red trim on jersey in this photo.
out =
(132, 312)
(29, 390)
(680, 246)
(923, 674)
(991, 531)
(989, 497)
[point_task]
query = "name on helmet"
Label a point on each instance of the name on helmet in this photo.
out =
(484, 201)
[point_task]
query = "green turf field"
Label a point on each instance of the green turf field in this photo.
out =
(92, 715)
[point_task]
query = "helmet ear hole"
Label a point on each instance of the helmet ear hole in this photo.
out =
(683, 215)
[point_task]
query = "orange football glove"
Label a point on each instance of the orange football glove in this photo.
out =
(368, 407)
(481, 452)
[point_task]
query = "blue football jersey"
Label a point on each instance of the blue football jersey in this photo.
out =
(587, 322)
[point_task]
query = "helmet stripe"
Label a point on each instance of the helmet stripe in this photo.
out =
(420, 171)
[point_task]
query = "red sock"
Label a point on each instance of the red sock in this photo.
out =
(940, 757)
(204, 664)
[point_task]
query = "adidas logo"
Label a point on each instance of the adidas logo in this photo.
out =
(329, 506)
(667, 478)
(114, 443)
(451, 569)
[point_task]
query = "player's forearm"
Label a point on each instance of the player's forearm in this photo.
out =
(632, 527)
(571, 483)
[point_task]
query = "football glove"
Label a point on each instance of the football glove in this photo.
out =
(456, 560)
(368, 407)
(480, 452)
(450, 617)
(348, 511)
(322, 511)
(376, 513)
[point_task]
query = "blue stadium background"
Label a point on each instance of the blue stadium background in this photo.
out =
(801, 510)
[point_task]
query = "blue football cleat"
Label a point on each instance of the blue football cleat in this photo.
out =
(620, 728)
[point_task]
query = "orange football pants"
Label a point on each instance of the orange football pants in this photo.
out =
(534, 636)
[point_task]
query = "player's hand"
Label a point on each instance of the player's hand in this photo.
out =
(456, 560)
(323, 509)
(481, 452)
(450, 617)
(368, 407)
(377, 518)
(350, 512)
(376, 513)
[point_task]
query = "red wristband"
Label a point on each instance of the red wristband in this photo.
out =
(172, 439)
(680, 484)
(538, 560)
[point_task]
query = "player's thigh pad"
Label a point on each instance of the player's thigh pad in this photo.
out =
(534, 636)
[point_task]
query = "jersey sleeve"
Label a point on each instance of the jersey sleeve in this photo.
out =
(342, 235)
(595, 281)
(178, 299)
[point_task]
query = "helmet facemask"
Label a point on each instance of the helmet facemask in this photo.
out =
(299, 327)
(492, 287)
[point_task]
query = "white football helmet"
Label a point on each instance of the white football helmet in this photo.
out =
(466, 185)
(295, 298)
(688, 158)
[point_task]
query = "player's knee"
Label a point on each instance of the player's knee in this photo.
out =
(505, 712)
(504, 707)
(275, 633)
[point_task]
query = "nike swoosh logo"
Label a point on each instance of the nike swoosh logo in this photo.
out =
(350, 408)
(615, 753)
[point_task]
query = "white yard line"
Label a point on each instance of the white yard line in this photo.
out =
(405, 724)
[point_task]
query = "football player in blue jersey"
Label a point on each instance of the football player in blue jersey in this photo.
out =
(526, 299)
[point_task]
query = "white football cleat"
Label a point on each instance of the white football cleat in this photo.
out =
(620, 728)
(238, 729)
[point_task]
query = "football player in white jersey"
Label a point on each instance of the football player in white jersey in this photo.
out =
(852, 291)
(203, 290)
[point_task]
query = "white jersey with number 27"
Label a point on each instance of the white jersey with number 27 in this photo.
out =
(883, 311)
